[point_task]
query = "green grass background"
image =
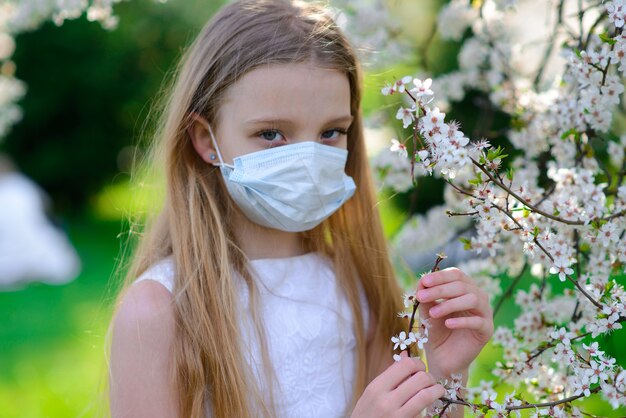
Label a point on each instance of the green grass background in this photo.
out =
(52, 336)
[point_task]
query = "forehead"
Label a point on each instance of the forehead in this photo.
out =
(299, 92)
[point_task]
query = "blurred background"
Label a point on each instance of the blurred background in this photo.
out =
(65, 195)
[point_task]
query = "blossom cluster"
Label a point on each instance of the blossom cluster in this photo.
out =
(404, 340)
(446, 144)
(375, 27)
(554, 211)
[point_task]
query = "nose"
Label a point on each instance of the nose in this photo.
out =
(306, 138)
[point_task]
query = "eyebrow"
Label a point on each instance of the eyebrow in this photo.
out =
(346, 118)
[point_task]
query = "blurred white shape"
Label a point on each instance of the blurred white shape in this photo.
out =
(425, 235)
(31, 247)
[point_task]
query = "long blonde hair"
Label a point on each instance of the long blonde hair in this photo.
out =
(193, 224)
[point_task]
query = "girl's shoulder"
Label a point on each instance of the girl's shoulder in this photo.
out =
(143, 332)
(149, 296)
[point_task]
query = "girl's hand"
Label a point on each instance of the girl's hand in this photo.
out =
(403, 390)
(461, 324)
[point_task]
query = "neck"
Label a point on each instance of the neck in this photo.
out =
(257, 241)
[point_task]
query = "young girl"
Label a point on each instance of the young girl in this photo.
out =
(264, 286)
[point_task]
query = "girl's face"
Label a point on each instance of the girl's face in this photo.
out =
(277, 105)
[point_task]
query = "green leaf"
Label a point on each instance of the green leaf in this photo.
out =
(495, 153)
(476, 180)
(607, 39)
(517, 123)
(568, 133)
(467, 243)
(610, 285)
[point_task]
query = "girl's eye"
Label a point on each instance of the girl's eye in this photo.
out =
(271, 136)
(333, 133)
(275, 136)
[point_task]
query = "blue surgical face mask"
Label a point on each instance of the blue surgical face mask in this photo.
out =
(292, 187)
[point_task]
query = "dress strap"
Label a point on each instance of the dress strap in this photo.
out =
(162, 272)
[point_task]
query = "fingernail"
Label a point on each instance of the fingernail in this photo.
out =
(434, 311)
(422, 294)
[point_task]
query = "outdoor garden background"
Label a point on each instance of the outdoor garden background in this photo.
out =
(88, 93)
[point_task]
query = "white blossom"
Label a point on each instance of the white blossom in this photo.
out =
(406, 115)
(454, 18)
(402, 340)
(617, 12)
(398, 147)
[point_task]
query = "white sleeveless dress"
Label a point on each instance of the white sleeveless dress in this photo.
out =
(310, 334)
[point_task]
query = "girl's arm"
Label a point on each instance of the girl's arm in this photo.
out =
(143, 329)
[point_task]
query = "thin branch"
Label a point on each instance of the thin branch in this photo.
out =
(416, 303)
(423, 49)
(550, 48)
(533, 207)
(540, 351)
(458, 189)
(592, 29)
(584, 292)
(509, 291)
(525, 406)
(547, 194)
(450, 213)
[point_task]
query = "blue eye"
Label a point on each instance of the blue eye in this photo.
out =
(334, 133)
(271, 136)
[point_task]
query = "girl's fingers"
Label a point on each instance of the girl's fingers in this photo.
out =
(445, 291)
(411, 386)
(462, 303)
(398, 373)
(448, 275)
(421, 400)
(424, 306)
(467, 322)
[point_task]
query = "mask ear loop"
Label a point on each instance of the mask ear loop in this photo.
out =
(219, 154)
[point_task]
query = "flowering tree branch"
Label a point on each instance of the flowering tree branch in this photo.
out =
(574, 229)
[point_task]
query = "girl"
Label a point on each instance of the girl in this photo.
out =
(264, 284)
